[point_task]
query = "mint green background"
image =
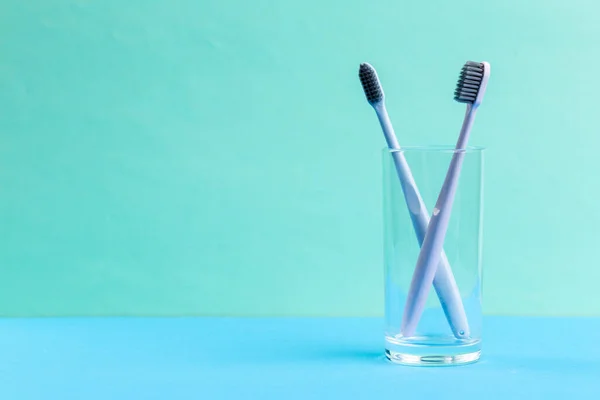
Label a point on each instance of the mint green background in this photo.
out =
(218, 157)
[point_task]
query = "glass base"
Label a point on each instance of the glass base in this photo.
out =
(426, 351)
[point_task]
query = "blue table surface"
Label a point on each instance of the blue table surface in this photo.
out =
(285, 358)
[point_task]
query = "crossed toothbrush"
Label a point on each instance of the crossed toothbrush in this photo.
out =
(432, 264)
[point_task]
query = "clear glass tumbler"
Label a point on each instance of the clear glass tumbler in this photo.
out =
(450, 326)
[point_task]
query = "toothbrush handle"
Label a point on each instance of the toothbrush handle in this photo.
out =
(444, 282)
(430, 254)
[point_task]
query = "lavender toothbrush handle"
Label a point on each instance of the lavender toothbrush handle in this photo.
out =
(431, 249)
(444, 282)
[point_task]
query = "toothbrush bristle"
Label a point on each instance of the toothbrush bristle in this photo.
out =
(469, 82)
(370, 83)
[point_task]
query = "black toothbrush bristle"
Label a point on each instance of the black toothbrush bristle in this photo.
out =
(469, 82)
(370, 83)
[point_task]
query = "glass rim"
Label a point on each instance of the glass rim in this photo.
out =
(435, 149)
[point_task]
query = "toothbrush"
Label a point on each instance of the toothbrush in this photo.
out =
(444, 282)
(470, 89)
